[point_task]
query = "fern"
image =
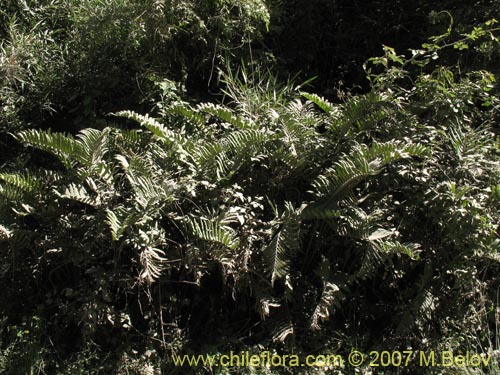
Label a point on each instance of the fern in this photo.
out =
(395, 247)
(336, 185)
(211, 159)
(282, 329)
(59, 144)
(212, 232)
(25, 182)
(221, 159)
(392, 151)
(239, 142)
(174, 139)
(21, 187)
(338, 182)
(191, 115)
(119, 220)
(321, 102)
(379, 252)
(152, 261)
(5, 233)
(284, 244)
(149, 187)
(93, 146)
(114, 224)
(80, 194)
(418, 312)
(227, 115)
(106, 173)
(371, 260)
(330, 298)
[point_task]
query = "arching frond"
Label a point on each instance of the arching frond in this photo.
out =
(23, 181)
(172, 138)
(119, 220)
(379, 251)
(331, 296)
(79, 193)
(339, 181)
(59, 144)
(5, 233)
(149, 187)
(191, 115)
(19, 187)
(395, 247)
(282, 329)
(226, 115)
(212, 231)
(93, 146)
(321, 102)
(152, 262)
(224, 157)
(284, 244)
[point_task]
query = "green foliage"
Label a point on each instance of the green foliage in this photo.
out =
(272, 219)
(284, 244)
(65, 63)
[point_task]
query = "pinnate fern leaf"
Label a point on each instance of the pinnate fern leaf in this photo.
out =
(212, 232)
(284, 244)
(331, 296)
(58, 144)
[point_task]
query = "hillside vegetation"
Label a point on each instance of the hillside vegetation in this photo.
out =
(200, 177)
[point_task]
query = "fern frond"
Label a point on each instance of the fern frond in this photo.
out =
(230, 153)
(106, 172)
(395, 247)
(212, 231)
(147, 191)
(212, 158)
(5, 233)
(379, 251)
(355, 223)
(152, 261)
(79, 194)
(338, 182)
(282, 330)
(244, 146)
(20, 186)
(371, 260)
(191, 115)
(58, 144)
(297, 130)
(346, 174)
(419, 311)
(321, 102)
(227, 115)
(284, 243)
(392, 151)
(11, 194)
(132, 138)
(149, 187)
(25, 182)
(172, 138)
(114, 224)
(119, 220)
(331, 296)
(240, 141)
(93, 146)
(335, 185)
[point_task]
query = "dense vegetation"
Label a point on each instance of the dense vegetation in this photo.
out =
(206, 176)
